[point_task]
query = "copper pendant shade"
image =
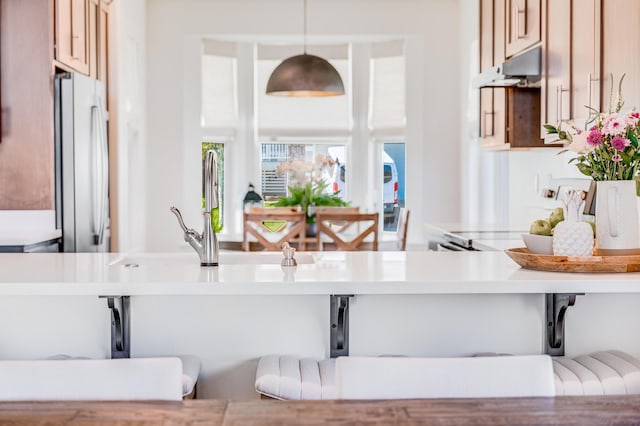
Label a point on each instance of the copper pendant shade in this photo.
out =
(305, 76)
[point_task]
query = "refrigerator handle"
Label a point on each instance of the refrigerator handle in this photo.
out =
(104, 159)
(99, 180)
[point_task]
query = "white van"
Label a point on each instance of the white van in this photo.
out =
(390, 185)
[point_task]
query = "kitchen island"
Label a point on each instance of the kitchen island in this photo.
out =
(409, 303)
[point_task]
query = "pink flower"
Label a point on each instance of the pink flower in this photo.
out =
(616, 158)
(619, 143)
(579, 143)
(613, 125)
(595, 137)
(633, 118)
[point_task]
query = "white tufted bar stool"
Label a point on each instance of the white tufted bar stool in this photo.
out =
(91, 379)
(600, 373)
(190, 370)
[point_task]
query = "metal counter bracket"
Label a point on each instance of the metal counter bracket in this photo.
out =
(120, 326)
(556, 308)
(339, 318)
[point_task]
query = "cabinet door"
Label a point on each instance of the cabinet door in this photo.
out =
(103, 42)
(522, 25)
(585, 59)
(93, 26)
(556, 62)
(71, 34)
(492, 101)
(98, 43)
(620, 41)
(486, 34)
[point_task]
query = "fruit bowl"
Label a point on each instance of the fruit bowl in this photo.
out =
(538, 244)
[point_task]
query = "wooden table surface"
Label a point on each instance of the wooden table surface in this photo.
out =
(619, 410)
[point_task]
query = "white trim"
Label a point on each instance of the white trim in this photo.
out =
(265, 133)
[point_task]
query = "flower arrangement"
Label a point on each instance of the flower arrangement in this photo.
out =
(308, 185)
(609, 149)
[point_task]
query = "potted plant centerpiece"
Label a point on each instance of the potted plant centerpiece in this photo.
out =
(609, 152)
(308, 187)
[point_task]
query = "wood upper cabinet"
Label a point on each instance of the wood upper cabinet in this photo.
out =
(620, 41)
(71, 34)
(98, 39)
(586, 75)
(492, 100)
(103, 41)
(522, 18)
(556, 62)
(81, 36)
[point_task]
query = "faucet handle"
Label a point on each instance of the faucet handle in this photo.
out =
(175, 211)
(288, 252)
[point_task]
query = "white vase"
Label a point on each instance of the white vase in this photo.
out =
(617, 222)
(572, 238)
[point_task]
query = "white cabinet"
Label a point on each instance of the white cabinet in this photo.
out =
(556, 62)
(620, 41)
(585, 59)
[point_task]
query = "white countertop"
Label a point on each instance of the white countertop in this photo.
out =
(27, 237)
(261, 274)
(27, 227)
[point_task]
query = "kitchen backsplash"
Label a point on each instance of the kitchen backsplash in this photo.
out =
(530, 174)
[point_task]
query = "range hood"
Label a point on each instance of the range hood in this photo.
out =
(522, 70)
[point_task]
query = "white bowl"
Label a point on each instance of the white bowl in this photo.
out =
(538, 244)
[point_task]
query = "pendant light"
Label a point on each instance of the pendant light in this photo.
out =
(305, 75)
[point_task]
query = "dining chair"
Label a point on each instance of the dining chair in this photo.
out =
(470, 377)
(92, 379)
(400, 242)
(272, 226)
(334, 226)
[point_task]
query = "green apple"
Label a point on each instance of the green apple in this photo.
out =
(556, 217)
(540, 227)
(593, 226)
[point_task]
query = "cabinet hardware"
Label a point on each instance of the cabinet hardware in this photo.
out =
(74, 47)
(559, 92)
(521, 12)
(484, 123)
(590, 81)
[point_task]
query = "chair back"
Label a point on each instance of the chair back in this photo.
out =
(475, 377)
(334, 226)
(401, 231)
(91, 379)
(272, 226)
(336, 209)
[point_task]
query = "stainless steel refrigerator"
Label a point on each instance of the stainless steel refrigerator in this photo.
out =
(82, 163)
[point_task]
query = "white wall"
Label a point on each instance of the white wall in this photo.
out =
(128, 45)
(432, 144)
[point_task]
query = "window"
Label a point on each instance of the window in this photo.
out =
(219, 85)
(217, 218)
(274, 154)
(387, 82)
(218, 112)
(387, 121)
(393, 182)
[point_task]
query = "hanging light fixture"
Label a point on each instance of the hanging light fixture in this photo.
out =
(305, 75)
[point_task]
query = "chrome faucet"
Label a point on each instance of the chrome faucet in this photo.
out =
(205, 244)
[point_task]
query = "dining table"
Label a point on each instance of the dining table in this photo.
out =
(565, 410)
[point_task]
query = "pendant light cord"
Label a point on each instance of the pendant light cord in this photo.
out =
(305, 27)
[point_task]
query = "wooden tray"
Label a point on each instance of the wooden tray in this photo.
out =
(543, 262)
